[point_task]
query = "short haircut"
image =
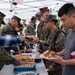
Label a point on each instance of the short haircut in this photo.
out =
(67, 9)
(33, 18)
(23, 19)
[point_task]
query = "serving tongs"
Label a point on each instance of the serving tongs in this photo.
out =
(27, 40)
(43, 43)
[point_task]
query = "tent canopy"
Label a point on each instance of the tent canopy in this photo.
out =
(28, 8)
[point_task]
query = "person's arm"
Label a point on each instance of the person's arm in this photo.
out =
(60, 60)
(69, 62)
(10, 40)
(61, 53)
(35, 39)
(5, 56)
(22, 38)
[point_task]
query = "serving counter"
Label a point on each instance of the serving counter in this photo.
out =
(8, 69)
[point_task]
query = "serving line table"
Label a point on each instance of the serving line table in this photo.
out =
(8, 69)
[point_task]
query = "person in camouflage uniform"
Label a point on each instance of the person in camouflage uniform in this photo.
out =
(51, 24)
(10, 27)
(30, 30)
(7, 58)
(42, 32)
(41, 28)
(2, 15)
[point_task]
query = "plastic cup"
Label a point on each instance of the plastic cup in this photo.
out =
(73, 54)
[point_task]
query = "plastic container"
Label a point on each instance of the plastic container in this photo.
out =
(73, 54)
(24, 69)
(37, 60)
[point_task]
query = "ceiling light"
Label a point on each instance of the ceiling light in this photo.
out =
(10, 10)
(14, 3)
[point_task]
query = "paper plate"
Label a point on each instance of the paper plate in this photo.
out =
(42, 56)
(50, 58)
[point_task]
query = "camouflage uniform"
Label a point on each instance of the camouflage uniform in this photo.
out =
(60, 39)
(30, 30)
(40, 31)
(8, 29)
(42, 34)
(40, 26)
(64, 29)
(45, 33)
(5, 56)
(56, 46)
(2, 15)
(60, 44)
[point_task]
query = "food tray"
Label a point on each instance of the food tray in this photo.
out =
(24, 69)
(42, 56)
(25, 66)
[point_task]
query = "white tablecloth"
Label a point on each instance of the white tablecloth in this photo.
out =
(8, 69)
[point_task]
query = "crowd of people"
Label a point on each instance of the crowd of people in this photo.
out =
(48, 31)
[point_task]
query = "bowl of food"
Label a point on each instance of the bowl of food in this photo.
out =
(37, 58)
(27, 51)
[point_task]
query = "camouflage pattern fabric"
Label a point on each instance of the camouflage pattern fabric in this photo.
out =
(63, 28)
(8, 29)
(60, 44)
(60, 41)
(30, 30)
(42, 34)
(5, 56)
(40, 31)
